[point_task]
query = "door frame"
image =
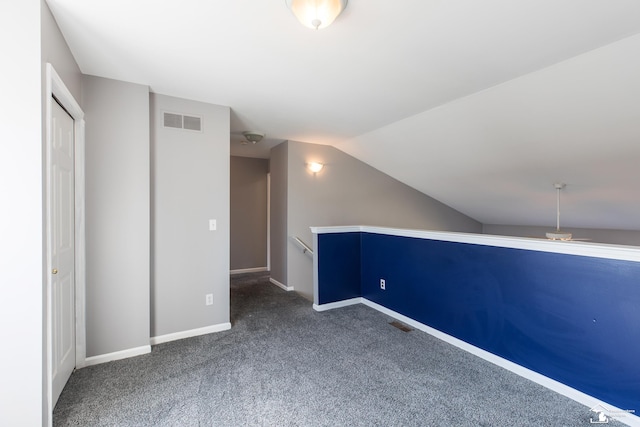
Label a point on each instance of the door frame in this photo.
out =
(268, 221)
(55, 87)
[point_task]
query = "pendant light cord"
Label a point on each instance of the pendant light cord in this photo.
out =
(557, 209)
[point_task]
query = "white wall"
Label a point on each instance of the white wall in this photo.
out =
(117, 214)
(190, 186)
(350, 192)
(29, 38)
(21, 219)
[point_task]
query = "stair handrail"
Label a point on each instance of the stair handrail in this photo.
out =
(305, 247)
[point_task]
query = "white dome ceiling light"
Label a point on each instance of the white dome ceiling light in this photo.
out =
(253, 136)
(316, 14)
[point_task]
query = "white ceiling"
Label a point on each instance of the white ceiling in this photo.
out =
(480, 104)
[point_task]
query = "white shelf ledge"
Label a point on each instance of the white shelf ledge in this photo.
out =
(597, 250)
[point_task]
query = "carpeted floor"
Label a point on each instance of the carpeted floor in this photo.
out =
(282, 364)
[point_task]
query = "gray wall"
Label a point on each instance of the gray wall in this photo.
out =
(54, 50)
(350, 192)
(248, 212)
(616, 237)
(117, 214)
(278, 207)
(190, 176)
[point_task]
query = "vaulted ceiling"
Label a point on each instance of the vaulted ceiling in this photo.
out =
(480, 104)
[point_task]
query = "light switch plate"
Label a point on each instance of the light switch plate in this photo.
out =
(212, 225)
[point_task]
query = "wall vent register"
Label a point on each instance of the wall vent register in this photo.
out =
(182, 121)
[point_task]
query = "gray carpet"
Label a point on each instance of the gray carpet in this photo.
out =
(282, 364)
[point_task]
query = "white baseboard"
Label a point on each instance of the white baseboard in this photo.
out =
(338, 304)
(190, 333)
(116, 355)
(615, 413)
(281, 285)
(248, 270)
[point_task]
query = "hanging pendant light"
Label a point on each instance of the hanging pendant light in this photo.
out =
(558, 234)
(316, 14)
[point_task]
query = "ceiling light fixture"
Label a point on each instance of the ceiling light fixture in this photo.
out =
(315, 167)
(252, 136)
(557, 234)
(316, 14)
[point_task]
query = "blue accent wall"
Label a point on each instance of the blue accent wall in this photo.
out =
(575, 319)
(338, 267)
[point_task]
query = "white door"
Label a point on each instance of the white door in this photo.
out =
(62, 214)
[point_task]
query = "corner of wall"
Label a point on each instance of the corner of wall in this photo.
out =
(190, 187)
(278, 167)
(346, 192)
(117, 214)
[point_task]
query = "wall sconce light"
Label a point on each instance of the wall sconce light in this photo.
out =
(315, 167)
(316, 14)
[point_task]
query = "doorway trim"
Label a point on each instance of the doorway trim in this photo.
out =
(55, 87)
(269, 221)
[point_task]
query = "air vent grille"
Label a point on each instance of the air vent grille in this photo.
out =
(172, 120)
(191, 123)
(182, 121)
